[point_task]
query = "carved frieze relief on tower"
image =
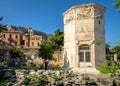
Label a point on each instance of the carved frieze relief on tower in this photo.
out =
(84, 33)
(69, 17)
(86, 12)
(76, 14)
(99, 13)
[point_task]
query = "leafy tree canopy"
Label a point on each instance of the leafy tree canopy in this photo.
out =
(45, 51)
(56, 40)
(0, 24)
(1, 18)
(117, 4)
(116, 49)
(2, 27)
(16, 52)
(53, 43)
(107, 46)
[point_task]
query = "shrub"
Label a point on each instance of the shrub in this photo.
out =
(105, 69)
(55, 67)
(16, 52)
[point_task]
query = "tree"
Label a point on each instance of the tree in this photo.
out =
(56, 40)
(107, 47)
(1, 18)
(108, 51)
(116, 49)
(117, 4)
(16, 52)
(45, 51)
(0, 24)
(2, 27)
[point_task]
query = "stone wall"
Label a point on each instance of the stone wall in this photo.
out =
(57, 58)
(32, 58)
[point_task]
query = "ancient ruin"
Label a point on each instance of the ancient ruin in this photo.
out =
(84, 36)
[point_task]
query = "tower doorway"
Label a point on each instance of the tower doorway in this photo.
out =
(84, 56)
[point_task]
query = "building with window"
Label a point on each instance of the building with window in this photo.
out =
(32, 41)
(16, 38)
(84, 36)
(12, 37)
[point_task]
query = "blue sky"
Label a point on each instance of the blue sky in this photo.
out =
(46, 15)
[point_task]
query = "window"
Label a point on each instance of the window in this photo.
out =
(10, 36)
(38, 44)
(84, 47)
(22, 42)
(81, 55)
(15, 43)
(87, 56)
(84, 53)
(98, 22)
(27, 43)
(4, 35)
(16, 36)
(32, 43)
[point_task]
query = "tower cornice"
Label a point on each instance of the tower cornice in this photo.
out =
(85, 5)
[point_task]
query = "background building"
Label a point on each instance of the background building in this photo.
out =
(18, 39)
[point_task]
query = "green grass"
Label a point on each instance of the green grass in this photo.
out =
(3, 82)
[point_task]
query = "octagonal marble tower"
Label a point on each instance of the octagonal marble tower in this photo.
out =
(84, 35)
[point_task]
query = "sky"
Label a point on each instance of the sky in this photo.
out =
(46, 15)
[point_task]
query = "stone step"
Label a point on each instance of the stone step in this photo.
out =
(87, 70)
